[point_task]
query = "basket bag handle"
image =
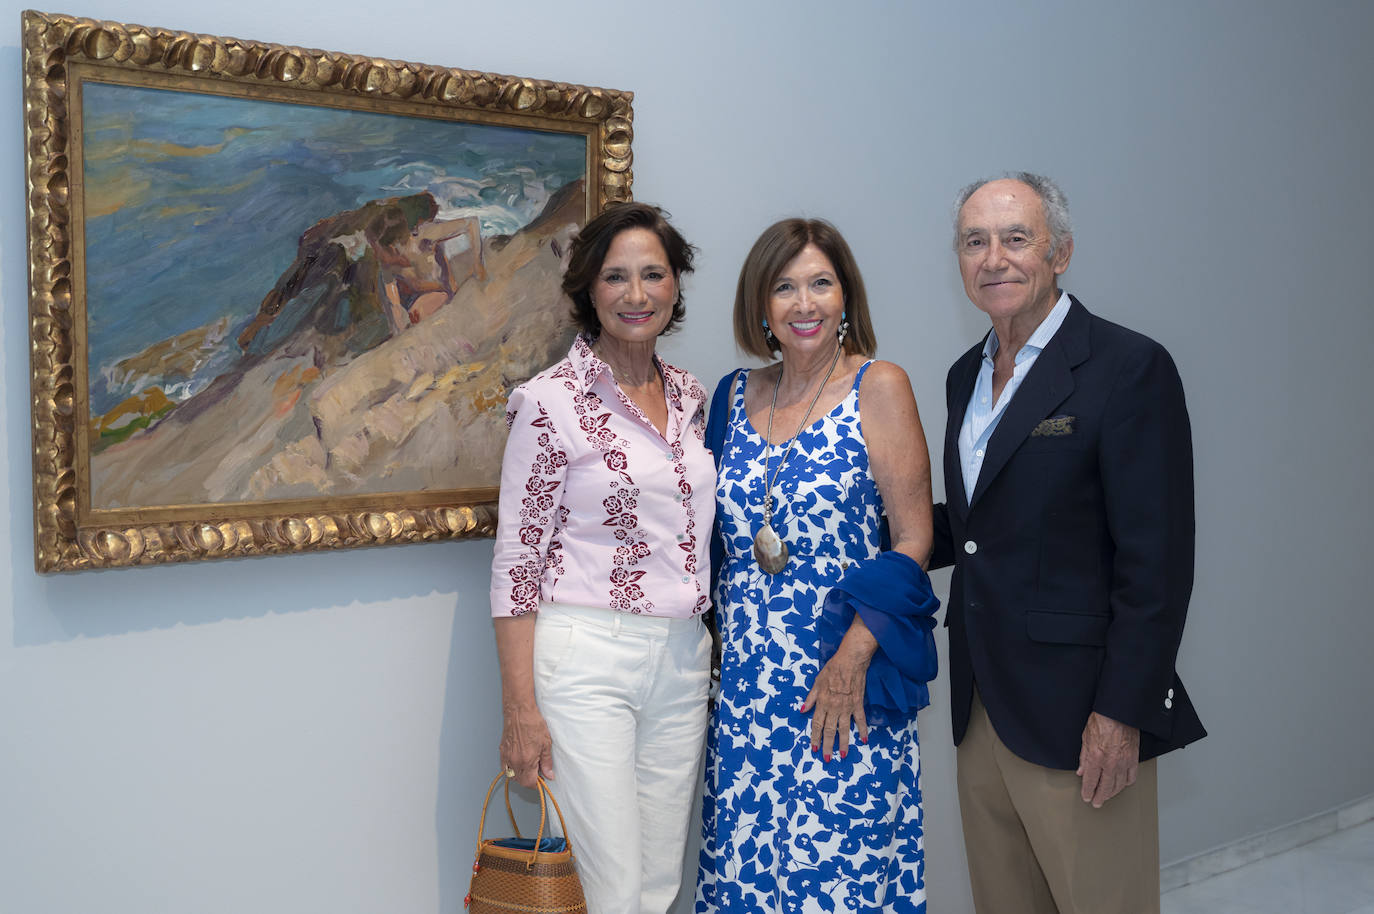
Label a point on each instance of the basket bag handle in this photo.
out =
(543, 815)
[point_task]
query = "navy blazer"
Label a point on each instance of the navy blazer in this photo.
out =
(1073, 557)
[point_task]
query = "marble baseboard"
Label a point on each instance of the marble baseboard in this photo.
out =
(1257, 847)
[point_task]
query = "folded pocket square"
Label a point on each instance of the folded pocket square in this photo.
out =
(1054, 427)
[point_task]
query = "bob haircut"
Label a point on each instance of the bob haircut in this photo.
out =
(774, 250)
(589, 253)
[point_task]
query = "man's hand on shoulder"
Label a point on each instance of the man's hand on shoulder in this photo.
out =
(1109, 759)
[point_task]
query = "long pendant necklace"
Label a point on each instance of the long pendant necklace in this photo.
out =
(769, 549)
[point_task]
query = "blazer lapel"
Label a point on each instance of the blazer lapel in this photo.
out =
(961, 385)
(1049, 383)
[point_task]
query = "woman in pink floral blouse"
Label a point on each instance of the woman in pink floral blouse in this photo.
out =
(601, 573)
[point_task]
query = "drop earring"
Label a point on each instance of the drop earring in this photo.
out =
(844, 326)
(768, 335)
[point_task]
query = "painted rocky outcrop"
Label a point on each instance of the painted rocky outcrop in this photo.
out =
(372, 366)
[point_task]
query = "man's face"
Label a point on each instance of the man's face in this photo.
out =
(1004, 243)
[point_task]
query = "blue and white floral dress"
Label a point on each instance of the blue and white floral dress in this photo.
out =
(784, 830)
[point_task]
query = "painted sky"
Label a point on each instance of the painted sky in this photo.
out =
(195, 203)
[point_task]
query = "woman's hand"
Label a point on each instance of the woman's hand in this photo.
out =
(526, 747)
(837, 697)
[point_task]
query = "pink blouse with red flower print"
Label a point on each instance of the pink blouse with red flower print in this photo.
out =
(598, 508)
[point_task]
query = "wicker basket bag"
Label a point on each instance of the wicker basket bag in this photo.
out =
(524, 875)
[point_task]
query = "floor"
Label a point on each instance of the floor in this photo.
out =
(1332, 875)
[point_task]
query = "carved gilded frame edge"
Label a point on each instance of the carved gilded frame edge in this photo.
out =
(52, 43)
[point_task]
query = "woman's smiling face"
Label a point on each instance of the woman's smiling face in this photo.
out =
(635, 290)
(806, 303)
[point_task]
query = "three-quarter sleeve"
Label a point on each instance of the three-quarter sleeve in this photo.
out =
(532, 475)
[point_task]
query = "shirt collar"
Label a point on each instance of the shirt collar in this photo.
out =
(588, 367)
(585, 363)
(1040, 338)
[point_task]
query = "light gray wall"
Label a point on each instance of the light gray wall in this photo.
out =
(311, 733)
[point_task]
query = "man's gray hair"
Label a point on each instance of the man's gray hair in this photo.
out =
(1052, 201)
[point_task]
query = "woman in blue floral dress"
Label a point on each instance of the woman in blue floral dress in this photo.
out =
(813, 798)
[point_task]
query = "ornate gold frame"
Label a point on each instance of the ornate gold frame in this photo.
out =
(58, 51)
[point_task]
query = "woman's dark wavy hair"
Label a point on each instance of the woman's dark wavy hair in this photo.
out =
(589, 253)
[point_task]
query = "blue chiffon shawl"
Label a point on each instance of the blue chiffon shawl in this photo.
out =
(892, 594)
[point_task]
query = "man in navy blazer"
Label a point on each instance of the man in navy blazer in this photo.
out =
(1069, 523)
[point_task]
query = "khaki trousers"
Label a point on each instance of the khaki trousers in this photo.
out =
(1034, 846)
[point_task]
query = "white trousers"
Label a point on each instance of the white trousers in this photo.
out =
(624, 697)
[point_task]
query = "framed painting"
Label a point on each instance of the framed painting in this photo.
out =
(278, 296)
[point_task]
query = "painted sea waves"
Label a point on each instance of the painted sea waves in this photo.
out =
(288, 301)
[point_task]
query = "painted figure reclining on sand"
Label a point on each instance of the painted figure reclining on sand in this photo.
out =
(379, 361)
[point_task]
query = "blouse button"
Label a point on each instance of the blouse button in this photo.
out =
(685, 579)
(682, 537)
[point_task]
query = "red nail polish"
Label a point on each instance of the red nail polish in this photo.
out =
(842, 755)
(864, 740)
(827, 756)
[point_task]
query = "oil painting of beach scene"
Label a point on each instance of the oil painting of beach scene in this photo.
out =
(288, 301)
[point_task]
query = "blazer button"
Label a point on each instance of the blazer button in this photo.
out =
(1168, 703)
(1171, 694)
(970, 547)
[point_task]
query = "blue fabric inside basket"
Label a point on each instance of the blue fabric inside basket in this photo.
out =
(546, 845)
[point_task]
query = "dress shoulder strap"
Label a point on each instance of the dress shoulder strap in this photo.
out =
(737, 388)
(859, 375)
(722, 409)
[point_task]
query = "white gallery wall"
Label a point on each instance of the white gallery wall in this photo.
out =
(311, 733)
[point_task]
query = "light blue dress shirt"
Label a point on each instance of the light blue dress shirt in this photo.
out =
(982, 415)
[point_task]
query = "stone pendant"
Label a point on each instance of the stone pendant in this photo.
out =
(769, 550)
